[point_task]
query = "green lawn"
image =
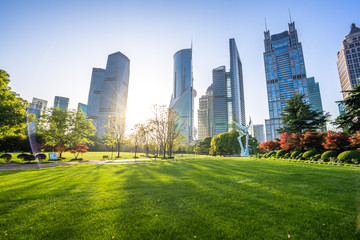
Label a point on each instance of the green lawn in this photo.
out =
(190, 198)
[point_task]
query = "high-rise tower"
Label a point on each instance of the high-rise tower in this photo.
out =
(61, 102)
(182, 99)
(285, 74)
(348, 60)
(108, 91)
(225, 97)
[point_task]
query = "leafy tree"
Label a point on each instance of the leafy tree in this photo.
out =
(312, 140)
(355, 140)
(269, 146)
(336, 141)
(203, 147)
(298, 117)
(12, 108)
(225, 143)
(63, 129)
(166, 127)
(350, 121)
(78, 149)
(136, 136)
(290, 141)
(115, 133)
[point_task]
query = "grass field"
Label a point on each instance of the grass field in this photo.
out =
(191, 198)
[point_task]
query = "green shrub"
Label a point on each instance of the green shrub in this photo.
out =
(287, 155)
(280, 153)
(272, 154)
(317, 156)
(309, 154)
(295, 153)
(328, 154)
(7, 157)
(347, 156)
(331, 159)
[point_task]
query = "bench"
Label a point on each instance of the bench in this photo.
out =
(105, 156)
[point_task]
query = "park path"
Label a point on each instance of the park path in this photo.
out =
(21, 166)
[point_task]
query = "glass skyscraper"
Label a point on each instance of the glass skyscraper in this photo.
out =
(314, 95)
(108, 91)
(348, 60)
(225, 98)
(82, 107)
(285, 74)
(61, 102)
(182, 99)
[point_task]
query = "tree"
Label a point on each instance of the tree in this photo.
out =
(290, 141)
(115, 132)
(203, 147)
(136, 136)
(12, 108)
(225, 143)
(175, 127)
(355, 140)
(166, 128)
(144, 131)
(77, 149)
(63, 129)
(336, 141)
(269, 146)
(350, 121)
(297, 116)
(312, 140)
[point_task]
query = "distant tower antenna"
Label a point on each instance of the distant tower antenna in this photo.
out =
(290, 15)
(265, 25)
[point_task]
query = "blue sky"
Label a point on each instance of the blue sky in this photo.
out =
(50, 47)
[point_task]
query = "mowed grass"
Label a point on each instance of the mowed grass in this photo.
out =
(191, 198)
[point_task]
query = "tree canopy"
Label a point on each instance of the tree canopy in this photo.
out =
(12, 108)
(350, 121)
(298, 117)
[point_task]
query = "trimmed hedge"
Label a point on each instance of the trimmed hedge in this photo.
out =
(309, 154)
(347, 156)
(287, 155)
(295, 153)
(328, 154)
(280, 153)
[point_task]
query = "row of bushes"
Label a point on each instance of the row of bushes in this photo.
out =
(352, 156)
(24, 157)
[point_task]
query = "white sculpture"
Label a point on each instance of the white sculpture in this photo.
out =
(242, 132)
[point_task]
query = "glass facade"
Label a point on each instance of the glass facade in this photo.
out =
(82, 107)
(220, 111)
(237, 86)
(61, 102)
(183, 93)
(348, 60)
(205, 114)
(285, 74)
(108, 91)
(314, 95)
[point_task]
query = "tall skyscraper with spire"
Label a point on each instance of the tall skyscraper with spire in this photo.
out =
(108, 92)
(224, 98)
(285, 74)
(182, 99)
(348, 60)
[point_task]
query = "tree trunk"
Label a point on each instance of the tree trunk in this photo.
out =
(118, 156)
(135, 151)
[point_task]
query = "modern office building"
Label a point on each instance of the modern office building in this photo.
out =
(257, 131)
(38, 103)
(314, 95)
(61, 102)
(108, 91)
(225, 97)
(341, 107)
(348, 60)
(82, 107)
(205, 114)
(182, 99)
(285, 74)
(237, 99)
(222, 108)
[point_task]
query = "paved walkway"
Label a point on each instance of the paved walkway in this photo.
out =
(20, 166)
